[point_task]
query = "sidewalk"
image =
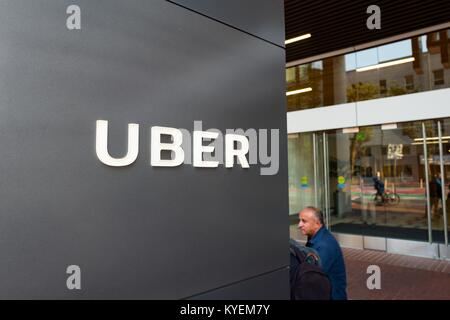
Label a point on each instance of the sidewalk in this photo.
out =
(402, 277)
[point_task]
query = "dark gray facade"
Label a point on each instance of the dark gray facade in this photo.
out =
(264, 19)
(138, 231)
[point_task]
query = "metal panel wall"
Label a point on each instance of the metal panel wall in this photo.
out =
(263, 19)
(137, 231)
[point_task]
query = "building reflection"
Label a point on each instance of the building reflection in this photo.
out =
(413, 65)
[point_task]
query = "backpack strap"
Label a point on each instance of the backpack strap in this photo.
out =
(312, 257)
(308, 255)
(298, 254)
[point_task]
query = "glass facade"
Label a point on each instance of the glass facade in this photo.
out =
(413, 65)
(390, 181)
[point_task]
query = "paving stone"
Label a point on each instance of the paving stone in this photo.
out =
(402, 277)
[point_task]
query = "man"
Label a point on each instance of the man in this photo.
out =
(436, 194)
(319, 238)
(379, 186)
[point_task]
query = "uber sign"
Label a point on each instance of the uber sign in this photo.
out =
(180, 141)
(111, 186)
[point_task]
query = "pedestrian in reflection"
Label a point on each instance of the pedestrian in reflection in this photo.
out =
(435, 194)
(379, 187)
(447, 202)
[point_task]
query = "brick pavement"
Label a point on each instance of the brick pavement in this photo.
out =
(402, 277)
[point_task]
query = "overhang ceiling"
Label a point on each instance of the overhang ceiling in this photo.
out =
(335, 25)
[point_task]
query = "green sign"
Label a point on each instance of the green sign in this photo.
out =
(304, 182)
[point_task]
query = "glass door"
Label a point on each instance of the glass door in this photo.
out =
(322, 175)
(441, 180)
(377, 181)
(405, 181)
(385, 180)
(445, 143)
(306, 175)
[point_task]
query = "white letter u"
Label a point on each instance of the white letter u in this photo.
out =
(101, 145)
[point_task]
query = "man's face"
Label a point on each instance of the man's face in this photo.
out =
(308, 224)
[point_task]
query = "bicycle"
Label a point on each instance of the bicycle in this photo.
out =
(390, 198)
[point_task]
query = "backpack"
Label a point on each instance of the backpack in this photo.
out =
(307, 279)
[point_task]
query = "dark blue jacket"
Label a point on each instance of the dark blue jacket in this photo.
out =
(332, 261)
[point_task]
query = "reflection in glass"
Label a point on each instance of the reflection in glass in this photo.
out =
(433, 168)
(368, 57)
(441, 202)
(301, 169)
(379, 180)
(306, 175)
(375, 179)
(395, 51)
(413, 65)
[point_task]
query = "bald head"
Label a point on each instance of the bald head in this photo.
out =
(311, 220)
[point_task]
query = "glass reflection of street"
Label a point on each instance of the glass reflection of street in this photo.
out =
(376, 176)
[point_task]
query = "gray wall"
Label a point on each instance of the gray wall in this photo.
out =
(264, 19)
(138, 231)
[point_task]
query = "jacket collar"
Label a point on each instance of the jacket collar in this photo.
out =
(318, 236)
